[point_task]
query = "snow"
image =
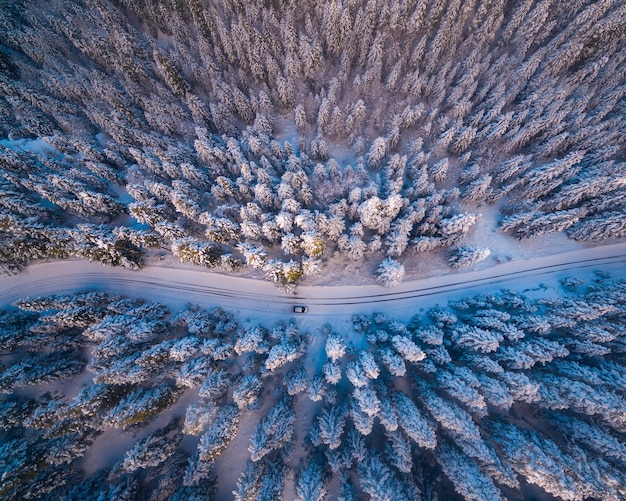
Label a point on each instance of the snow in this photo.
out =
(337, 270)
(232, 462)
(285, 130)
(108, 449)
(39, 146)
(505, 248)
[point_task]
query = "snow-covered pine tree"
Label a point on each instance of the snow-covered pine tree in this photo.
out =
(413, 423)
(465, 256)
(332, 423)
(311, 481)
(390, 273)
(274, 430)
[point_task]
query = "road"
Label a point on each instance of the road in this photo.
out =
(177, 287)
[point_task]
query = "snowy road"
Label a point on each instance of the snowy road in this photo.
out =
(254, 298)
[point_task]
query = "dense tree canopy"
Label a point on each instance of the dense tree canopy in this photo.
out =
(278, 135)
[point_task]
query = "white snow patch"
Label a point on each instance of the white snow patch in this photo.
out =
(39, 146)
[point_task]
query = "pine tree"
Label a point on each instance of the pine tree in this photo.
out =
(247, 392)
(462, 257)
(335, 347)
(407, 349)
(151, 450)
(219, 435)
(390, 273)
(367, 400)
(468, 480)
(378, 481)
(296, 380)
(332, 423)
(416, 427)
(332, 372)
(394, 363)
(311, 482)
(377, 151)
(399, 451)
(273, 431)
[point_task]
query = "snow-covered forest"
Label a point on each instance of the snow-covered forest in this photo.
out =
(279, 139)
(281, 135)
(503, 395)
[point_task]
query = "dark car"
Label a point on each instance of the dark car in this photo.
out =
(300, 309)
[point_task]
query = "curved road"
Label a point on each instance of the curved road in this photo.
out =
(176, 287)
